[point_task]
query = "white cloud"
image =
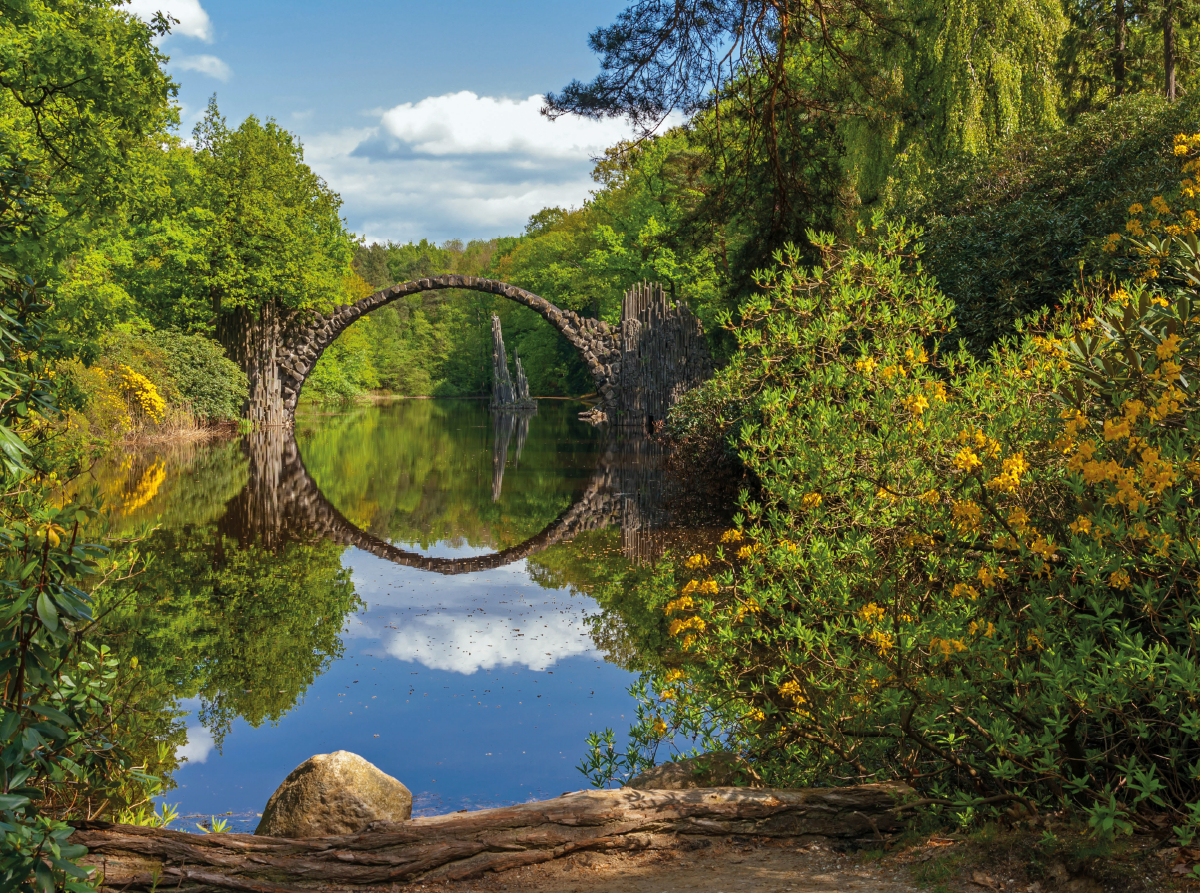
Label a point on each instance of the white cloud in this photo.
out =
(193, 20)
(205, 64)
(198, 746)
(467, 124)
(460, 166)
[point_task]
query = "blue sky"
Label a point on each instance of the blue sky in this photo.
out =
(422, 115)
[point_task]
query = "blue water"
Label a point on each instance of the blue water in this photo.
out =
(474, 691)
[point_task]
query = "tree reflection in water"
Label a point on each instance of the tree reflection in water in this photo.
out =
(247, 596)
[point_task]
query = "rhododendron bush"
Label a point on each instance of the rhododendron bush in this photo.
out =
(976, 577)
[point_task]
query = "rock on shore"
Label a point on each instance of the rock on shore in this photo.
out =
(331, 794)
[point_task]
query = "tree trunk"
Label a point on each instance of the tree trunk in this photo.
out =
(1119, 36)
(469, 844)
(1168, 29)
(253, 340)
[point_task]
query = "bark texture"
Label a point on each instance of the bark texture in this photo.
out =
(470, 844)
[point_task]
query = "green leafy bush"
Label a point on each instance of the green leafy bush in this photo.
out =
(207, 381)
(978, 578)
(57, 691)
(1006, 236)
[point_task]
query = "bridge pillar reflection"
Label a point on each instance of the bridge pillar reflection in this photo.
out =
(281, 503)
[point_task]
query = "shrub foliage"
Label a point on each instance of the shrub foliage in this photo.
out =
(976, 577)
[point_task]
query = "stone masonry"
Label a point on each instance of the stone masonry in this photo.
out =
(640, 368)
(597, 342)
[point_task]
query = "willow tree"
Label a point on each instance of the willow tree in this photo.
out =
(967, 77)
(800, 94)
(274, 246)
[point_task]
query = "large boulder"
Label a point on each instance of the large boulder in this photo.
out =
(711, 770)
(331, 794)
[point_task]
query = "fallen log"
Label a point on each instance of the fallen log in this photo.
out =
(466, 845)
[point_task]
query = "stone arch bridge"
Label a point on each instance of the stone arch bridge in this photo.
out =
(639, 367)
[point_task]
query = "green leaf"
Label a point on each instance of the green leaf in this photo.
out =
(52, 714)
(47, 612)
(44, 877)
(12, 801)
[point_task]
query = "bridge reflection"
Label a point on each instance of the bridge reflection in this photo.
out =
(282, 503)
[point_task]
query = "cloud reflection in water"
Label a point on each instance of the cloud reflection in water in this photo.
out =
(466, 623)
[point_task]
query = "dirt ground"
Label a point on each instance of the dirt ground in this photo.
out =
(1005, 864)
(709, 866)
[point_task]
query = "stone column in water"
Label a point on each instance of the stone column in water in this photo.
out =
(502, 385)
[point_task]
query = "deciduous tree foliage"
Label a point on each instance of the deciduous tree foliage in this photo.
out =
(81, 96)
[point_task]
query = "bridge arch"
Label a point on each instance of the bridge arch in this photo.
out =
(303, 342)
(282, 503)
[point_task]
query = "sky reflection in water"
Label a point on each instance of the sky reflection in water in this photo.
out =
(474, 690)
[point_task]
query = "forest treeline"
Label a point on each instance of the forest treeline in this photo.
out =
(948, 575)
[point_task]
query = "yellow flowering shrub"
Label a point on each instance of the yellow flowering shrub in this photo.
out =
(999, 605)
(140, 393)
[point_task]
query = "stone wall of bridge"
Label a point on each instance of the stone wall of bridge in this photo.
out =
(639, 368)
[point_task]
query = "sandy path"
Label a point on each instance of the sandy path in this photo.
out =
(708, 866)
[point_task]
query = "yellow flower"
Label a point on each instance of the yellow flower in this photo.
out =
(683, 603)
(710, 587)
(866, 366)
(966, 460)
(967, 516)
(731, 536)
(1043, 547)
(1018, 519)
(916, 403)
(1009, 479)
(791, 689)
(988, 631)
(989, 575)
(1136, 208)
(883, 641)
(946, 646)
(962, 590)
(745, 552)
(1081, 525)
(678, 626)
(696, 561)
(659, 727)
(1119, 580)
(936, 390)
(811, 500)
(871, 613)
(1169, 347)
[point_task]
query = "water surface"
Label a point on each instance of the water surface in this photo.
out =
(411, 581)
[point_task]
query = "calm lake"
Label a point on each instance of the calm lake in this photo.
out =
(419, 582)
